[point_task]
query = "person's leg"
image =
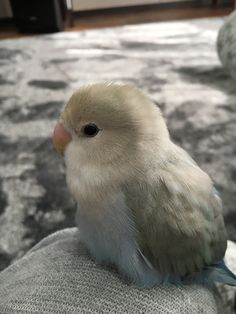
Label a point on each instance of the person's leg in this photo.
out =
(57, 276)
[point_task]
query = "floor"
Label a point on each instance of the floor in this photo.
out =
(155, 13)
(131, 15)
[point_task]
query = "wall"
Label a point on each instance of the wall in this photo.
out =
(5, 9)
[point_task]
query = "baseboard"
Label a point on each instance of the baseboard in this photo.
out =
(175, 4)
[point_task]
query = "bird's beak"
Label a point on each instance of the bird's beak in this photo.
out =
(61, 138)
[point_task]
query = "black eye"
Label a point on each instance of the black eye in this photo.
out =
(90, 130)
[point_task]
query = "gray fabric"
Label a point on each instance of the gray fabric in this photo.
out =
(226, 44)
(57, 276)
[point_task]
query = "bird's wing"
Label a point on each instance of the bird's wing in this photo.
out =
(179, 220)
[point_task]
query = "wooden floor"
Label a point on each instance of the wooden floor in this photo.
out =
(132, 15)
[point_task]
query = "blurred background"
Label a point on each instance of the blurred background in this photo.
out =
(57, 15)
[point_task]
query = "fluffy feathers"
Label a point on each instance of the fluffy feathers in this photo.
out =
(172, 221)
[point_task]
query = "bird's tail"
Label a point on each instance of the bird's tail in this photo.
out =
(215, 273)
(221, 273)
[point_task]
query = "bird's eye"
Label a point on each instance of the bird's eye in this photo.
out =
(90, 130)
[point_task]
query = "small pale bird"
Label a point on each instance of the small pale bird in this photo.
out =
(144, 206)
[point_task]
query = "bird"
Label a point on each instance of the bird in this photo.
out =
(144, 205)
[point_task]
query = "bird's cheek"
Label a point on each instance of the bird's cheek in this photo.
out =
(61, 138)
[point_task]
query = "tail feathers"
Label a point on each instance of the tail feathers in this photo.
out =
(221, 273)
(215, 273)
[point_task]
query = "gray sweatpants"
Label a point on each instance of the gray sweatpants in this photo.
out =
(57, 276)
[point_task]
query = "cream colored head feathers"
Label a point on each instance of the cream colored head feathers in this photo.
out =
(106, 132)
(124, 117)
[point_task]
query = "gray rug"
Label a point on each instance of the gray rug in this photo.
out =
(175, 63)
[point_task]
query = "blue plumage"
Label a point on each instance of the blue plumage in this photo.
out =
(112, 241)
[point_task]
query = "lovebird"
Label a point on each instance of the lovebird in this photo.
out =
(144, 205)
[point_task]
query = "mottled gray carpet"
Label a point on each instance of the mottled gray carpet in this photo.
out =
(175, 63)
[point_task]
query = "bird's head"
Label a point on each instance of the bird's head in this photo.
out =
(104, 123)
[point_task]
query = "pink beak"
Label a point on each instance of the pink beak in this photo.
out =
(61, 138)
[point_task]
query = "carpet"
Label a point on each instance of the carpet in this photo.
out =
(175, 63)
